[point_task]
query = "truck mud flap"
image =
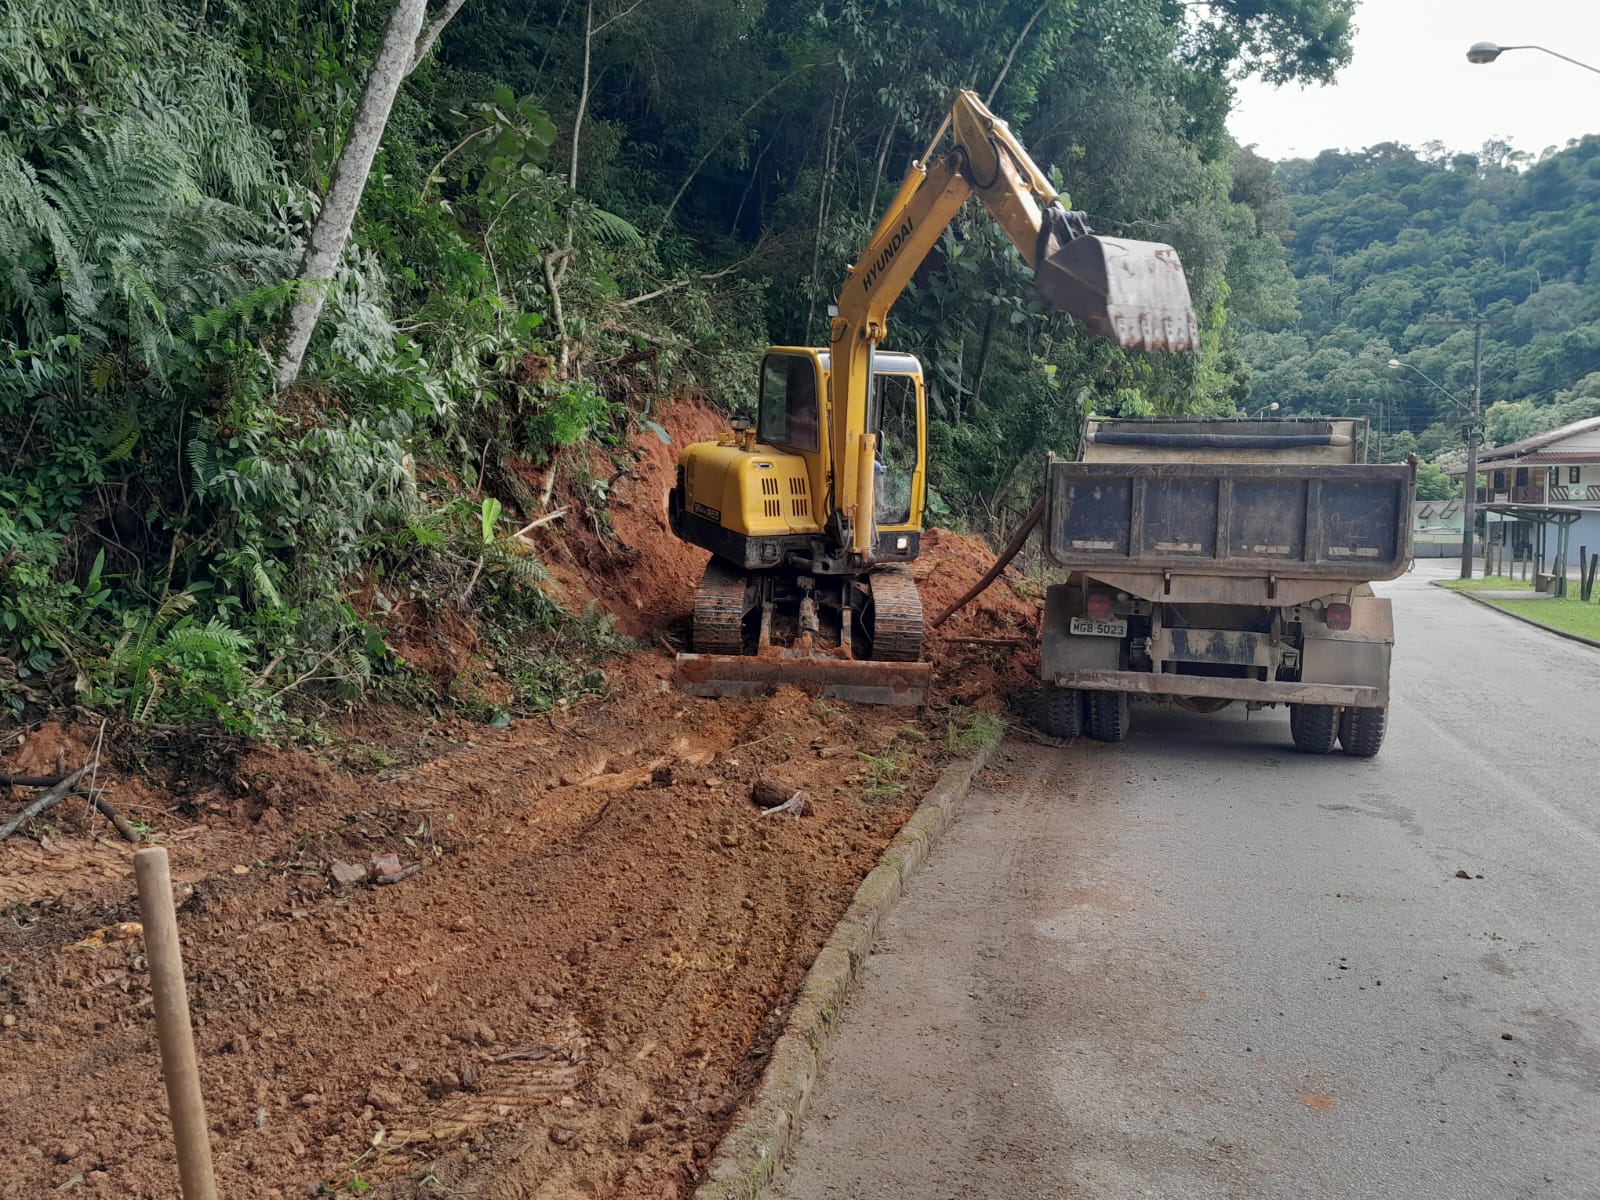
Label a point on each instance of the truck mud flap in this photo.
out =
(718, 676)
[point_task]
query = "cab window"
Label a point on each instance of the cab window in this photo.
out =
(894, 413)
(789, 413)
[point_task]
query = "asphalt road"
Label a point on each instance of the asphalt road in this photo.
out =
(1199, 965)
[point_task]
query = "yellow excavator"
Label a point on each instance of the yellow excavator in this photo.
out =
(814, 514)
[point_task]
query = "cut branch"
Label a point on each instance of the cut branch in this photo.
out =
(33, 781)
(120, 822)
(705, 278)
(544, 520)
(993, 573)
(47, 801)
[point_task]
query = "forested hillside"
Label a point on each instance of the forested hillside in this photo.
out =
(1390, 244)
(579, 208)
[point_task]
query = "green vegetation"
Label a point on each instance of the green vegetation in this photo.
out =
(968, 730)
(1390, 242)
(577, 210)
(885, 775)
(1570, 616)
(1487, 583)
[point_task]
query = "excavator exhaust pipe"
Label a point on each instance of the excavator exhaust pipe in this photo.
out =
(1132, 292)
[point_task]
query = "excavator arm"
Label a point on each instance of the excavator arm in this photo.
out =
(1132, 291)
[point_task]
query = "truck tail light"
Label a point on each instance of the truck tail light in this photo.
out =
(1099, 606)
(1338, 616)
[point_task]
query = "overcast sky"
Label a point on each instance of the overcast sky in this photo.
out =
(1410, 81)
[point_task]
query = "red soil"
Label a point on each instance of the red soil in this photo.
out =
(573, 994)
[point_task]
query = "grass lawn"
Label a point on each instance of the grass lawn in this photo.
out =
(1574, 616)
(1490, 583)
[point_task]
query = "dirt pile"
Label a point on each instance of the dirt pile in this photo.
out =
(571, 995)
(620, 553)
(1005, 619)
(578, 972)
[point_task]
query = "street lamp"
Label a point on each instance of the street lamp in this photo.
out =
(1470, 493)
(1487, 52)
(1273, 407)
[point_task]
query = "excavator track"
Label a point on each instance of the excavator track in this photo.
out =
(894, 621)
(720, 603)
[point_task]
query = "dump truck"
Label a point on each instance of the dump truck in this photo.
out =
(1218, 562)
(813, 515)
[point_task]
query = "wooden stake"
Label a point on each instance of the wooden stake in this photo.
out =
(173, 1032)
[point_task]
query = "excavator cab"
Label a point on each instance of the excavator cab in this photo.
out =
(761, 497)
(897, 415)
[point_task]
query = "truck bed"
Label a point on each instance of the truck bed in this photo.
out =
(1292, 520)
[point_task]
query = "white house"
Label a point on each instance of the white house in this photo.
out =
(1436, 528)
(1560, 468)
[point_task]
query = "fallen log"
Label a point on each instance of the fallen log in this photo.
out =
(47, 801)
(33, 781)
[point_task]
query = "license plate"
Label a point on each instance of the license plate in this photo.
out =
(1093, 628)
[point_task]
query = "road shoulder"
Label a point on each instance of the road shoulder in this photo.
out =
(751, 1154)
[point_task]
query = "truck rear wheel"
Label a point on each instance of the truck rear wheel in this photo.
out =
(1061, 711)
(1315, 727)
(1108, 715)
(1361, 731)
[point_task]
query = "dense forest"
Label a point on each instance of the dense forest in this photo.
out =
(1393, 248)
(578, 208)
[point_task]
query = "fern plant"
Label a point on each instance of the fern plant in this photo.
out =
(168, 663)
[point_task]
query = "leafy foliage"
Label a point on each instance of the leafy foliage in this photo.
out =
(577, 210)
(1392, 244)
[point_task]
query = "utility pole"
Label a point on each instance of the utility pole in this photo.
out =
(1469, 503)
(1469, 499)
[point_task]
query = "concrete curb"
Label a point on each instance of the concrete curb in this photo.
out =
(749, 1157)
(1506, 612)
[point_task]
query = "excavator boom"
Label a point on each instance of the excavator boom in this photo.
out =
(1133, 292)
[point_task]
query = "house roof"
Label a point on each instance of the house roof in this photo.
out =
(1435, 510)
(1562, 456)
(1539, 440)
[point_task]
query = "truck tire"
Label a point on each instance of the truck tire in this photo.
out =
(1315, 727)
(1361, 731)
(1061, 712)
(1108, 715)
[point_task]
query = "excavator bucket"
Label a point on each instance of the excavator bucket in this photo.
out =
(1134, 292)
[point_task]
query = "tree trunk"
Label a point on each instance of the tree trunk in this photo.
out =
(983, 361)
(398, 53)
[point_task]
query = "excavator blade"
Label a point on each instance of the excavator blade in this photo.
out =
(1134, 292)
(860, 681)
